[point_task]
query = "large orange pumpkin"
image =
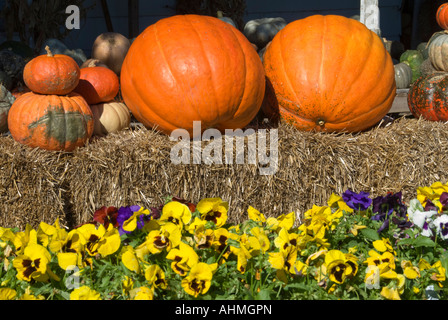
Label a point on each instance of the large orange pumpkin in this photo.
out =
(189, 68)
(51, 122)
(51, 74)
(330, 73)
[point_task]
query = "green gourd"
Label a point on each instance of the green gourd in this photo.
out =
(414, 59)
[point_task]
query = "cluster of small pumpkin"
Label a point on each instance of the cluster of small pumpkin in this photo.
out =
(426, 71)
(64, 104)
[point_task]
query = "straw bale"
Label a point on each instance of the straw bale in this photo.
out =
(31, 185)
(134, 167)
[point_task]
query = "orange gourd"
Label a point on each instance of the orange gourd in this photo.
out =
(442, 16)
(51, 74)
(189, 68)
(51, 122)
(330, 73)
(98, 84)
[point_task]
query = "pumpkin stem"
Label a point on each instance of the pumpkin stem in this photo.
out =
(49, 53)
(219, 14)
(320, 122)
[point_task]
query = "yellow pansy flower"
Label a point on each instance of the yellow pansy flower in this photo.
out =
(33, 263)
(199, 279)
(100, 240)
(337, 267)
(7, 294)
(184, 258)
(156, 277)
(141, 293)
(255, 215)
(177, 213)
(84, 293)
(214, 210)
(167, 237)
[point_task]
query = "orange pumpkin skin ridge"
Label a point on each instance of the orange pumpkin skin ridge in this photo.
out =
(192, 68)
(330, 73)
(428, 97)
(51, 122)
(57, 74)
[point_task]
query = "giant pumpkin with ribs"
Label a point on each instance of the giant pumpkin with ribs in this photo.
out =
(330, 73)
(189, 68)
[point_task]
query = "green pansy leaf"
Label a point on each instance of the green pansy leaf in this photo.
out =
(422, 241)
(370, 234)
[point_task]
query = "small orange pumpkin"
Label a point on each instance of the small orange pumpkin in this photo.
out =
(51, 122)
(188, 68)
(98, 84)
(51, 74)
(330, 73)
(442, 16)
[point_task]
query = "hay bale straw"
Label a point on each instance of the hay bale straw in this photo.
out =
(134, 167)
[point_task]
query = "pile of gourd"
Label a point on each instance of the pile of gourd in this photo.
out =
(64, 99)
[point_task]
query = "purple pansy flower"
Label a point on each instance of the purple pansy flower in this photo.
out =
(357, 201)
(390, 208)
(124, 213)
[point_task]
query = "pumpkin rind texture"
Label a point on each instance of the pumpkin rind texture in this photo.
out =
(110, 117)
(428, 97)
(97, 84)
(51, 122)
(51, 74)
(190, 68)
(330, 73)
(442, 16)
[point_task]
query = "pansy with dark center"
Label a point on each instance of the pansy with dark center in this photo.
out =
(357, 201)
(124, 213)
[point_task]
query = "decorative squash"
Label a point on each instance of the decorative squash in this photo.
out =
(111, 49)
(414, 59)
(110, 117)
(262, 31)
(6, 100)
(98, 84)
(51, 122)
(18, 47)
(427, 97)
(189, 68)
(427, 68)
(334, 78)
(220, 16)
(12, 64)
(438, 51)
(51, 74)
(442, 16)
(424, 50)
(403, 75)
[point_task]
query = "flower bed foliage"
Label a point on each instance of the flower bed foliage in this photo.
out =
(354, 247)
